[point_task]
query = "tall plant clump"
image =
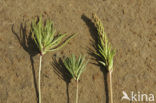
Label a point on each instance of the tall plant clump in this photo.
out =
(75, 67)
(46, 40)
(104, 51)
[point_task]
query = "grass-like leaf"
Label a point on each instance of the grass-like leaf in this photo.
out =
(104, 51)
(75, 67)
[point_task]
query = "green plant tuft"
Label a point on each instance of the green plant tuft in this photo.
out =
(45, 38)
(75, 66)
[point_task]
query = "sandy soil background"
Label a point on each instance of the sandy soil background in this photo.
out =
(131, 29)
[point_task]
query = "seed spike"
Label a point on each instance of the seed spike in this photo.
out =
(105, 51)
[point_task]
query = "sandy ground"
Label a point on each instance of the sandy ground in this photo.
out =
(131, 29)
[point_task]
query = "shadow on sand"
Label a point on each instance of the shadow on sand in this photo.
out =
(62, 72)
(25, 40)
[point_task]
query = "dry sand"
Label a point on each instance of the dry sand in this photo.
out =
(131, 29)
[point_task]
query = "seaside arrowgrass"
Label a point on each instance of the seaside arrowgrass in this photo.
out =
(75, 67)
(46, 40)
(104, 51)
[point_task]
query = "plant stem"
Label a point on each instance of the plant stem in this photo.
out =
(77, 87)
(39, 79)
(111, 91)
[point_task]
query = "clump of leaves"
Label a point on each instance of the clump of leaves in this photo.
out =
(104, 50)
(75, 67)
(46, 40)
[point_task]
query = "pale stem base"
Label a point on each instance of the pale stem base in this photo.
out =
(77, 87)
(39, 79)
(110, 87)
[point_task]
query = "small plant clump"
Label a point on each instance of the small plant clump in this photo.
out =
(75, 67)
(46, 40)
(104, 51)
